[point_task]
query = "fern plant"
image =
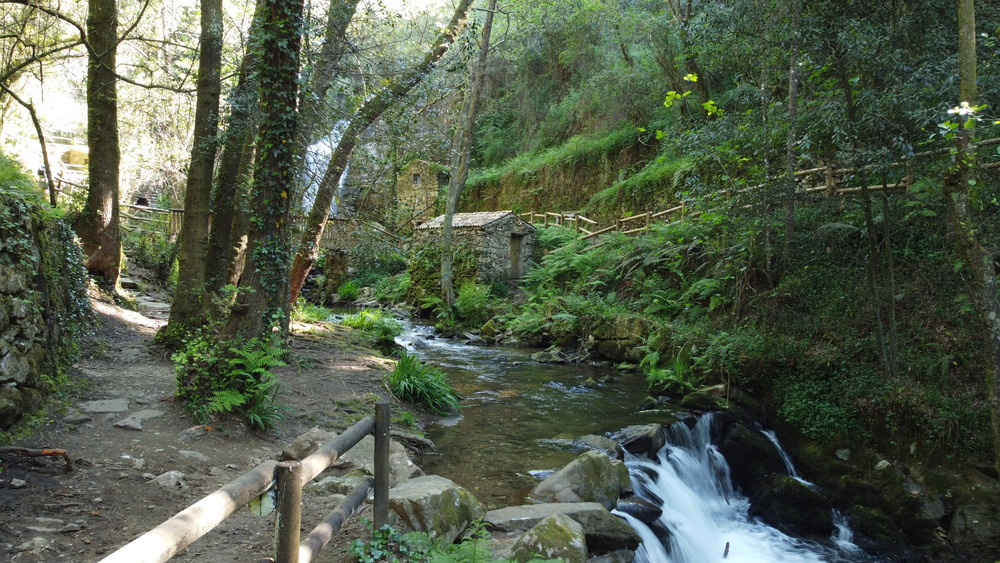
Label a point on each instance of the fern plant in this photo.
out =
(417, 383)
(218, 377)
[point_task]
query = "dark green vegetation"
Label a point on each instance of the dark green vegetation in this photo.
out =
(388, 544)
(43, 297)
(215, 376)
(414, 382)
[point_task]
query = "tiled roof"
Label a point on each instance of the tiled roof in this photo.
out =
(467, 220)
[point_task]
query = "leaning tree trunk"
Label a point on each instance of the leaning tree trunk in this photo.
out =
(188, 310)
(98, 223)
(460, 161)
(262, 299)
(308, 250)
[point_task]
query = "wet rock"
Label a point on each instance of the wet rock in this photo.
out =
(589, 478)
(435, 505)
(602, 444)
(645, 439)
(604, 531)
(105, 405)
(555, 537)
(640, 509)
(792, 507)
(751, 457)
(974, 525)
(617, 556)
(875, 532)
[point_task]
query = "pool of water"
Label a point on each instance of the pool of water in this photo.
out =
(518, 416)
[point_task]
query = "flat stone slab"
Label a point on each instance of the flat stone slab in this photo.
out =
(134, 420)
(105, 405)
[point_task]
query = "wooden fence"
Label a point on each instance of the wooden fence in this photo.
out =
(826, 180)
(170, 537)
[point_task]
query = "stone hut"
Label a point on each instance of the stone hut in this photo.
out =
(417, 187)
(503, 242)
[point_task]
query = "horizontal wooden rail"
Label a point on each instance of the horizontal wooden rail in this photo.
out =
(184, 528)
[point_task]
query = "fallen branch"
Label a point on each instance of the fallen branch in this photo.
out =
(39, 453)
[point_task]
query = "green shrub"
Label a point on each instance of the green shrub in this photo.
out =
(392, 289)
(474, 304)
(349, 290)
(152, 252)
(423, 385)
(225, 377)
(383, 327)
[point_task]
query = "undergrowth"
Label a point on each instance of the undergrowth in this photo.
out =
(415, 382)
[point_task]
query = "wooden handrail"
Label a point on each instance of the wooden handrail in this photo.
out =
(184, 528)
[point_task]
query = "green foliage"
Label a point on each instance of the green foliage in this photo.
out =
(349, 290)
(425, 272)
(392, 289)
(153, 252)
(423, 385)
(308, 313)
(227, 377)
(389, 545)
(382, 326)
(13, 179)
(553, 237)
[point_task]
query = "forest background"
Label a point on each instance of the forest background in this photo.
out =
(871, 317)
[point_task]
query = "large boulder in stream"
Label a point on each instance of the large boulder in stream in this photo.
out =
(435, 505)
(556, 537)
(645, 439)
(604, 531)
(751, 457)
(592, 477)
(793, 507)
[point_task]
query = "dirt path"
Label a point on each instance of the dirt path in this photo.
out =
(124, 431)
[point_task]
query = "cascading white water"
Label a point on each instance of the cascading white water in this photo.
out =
(317, 158)
(706, 518)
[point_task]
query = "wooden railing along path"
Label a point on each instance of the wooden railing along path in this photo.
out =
(830, 185)
(170, 537)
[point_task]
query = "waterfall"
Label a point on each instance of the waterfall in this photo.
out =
(317, 158)
(706, 518)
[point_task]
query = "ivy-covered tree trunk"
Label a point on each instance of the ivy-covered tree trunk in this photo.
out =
(262, 299)
(98, 223)
(308, 250)
(462, 152)
(188, 310)
(962, 226)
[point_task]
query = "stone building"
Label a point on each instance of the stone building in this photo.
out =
(418, 186)
(502, 241)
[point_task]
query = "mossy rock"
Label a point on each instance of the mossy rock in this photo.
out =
(556, 537)
(793, 507)
(592, 477)
(752, 457)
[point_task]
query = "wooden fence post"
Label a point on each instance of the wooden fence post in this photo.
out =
(286, 530)
(381, 502)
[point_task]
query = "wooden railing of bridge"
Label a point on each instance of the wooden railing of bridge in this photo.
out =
(828, 181)
(169, 538)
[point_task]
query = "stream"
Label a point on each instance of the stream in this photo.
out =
(517, 424)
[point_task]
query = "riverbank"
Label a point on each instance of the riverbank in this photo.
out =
(139, 457)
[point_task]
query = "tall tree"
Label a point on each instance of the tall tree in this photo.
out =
(98, 223)
(792, 139)
(979, 259)
(188, 308)
(462, 151)
(262, 298)
(308, 250)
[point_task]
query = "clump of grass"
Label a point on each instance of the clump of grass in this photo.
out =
(305, 312)
(383, 326)
(349, 291)
(414, 382)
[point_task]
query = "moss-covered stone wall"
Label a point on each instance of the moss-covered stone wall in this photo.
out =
(43, 303)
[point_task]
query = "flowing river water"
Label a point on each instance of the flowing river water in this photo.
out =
(517, 424)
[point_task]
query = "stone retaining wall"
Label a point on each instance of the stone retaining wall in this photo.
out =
(43, 303)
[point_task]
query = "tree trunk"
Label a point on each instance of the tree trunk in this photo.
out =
(961, 223)
(230, 182)
(262, 299)
(98, 223)
(188, 310)
(461, 153)
(793, 116)
(308, 250)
